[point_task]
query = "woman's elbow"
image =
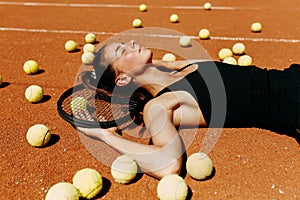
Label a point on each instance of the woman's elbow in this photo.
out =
(174, 168)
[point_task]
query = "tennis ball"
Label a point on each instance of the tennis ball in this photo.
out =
(185, 41)
(256, 27)
(62, 190)
(1, 80)
(71, 45)
(238, 48)
(168, 57)
(124, 169)
(245, 60)
(90, 38)
(171, 187)
(30, 67)
(224, 53)
(143, 7)
(78, 103)
(207, 6)
(137, 23)
(199, 166)
(87, 57)
(38, 135)
(88, 182)
(88, 48)
(204, 34)
(174, 18)
(34, 93)
(230, 60)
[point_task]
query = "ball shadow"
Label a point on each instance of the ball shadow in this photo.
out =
(96, 42)
(190, 194)
(106, 184)
(4, 84)
(53, 140)
(43, 100)
(188, 46)
(183, 171)
(207, 178)
(40, 71)
(75, 51)
(138, 176)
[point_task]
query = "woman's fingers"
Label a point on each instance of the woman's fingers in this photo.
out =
(98, 132)
(102, 119)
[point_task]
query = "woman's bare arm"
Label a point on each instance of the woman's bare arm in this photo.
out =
(164, 156)
(161, 116)
(152, 159)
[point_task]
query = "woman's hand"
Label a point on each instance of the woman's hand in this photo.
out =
(99, 133)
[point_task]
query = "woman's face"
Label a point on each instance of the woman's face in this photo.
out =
(128, 57)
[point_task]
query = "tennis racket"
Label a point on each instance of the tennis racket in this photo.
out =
(88, 107)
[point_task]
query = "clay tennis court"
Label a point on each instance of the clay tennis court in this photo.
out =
(249, 163)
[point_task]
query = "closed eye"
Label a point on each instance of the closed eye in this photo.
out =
(120, 48)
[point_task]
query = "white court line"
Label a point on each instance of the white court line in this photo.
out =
(151, 35)
(37, 4)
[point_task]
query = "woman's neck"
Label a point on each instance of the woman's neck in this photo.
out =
(154, 80)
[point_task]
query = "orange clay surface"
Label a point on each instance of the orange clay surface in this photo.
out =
(250, 163)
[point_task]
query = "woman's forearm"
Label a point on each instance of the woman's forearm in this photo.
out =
(154, 160)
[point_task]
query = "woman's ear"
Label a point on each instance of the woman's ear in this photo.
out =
(122, 80)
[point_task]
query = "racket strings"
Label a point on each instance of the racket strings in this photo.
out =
(115, 100)
(99, 110)
(103, 107)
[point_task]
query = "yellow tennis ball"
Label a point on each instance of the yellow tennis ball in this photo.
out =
(238, 48)
(78, 103)
(90, 38)
(207, 6)
(124, 169)
(1, 80)
(185, 41)
(71, 45)
(256, 27)
(38, 135)
(245, 60)
(230, 60)
(87, 57)
(224, 53)
(30, 67)
(204, 34)
(88, 182)
(174, 18)
(34, 93)
(169, 57)
(88, 48)
(199, 166)
(171, 187)
(62, 190)
(137, 23)
(143, 7)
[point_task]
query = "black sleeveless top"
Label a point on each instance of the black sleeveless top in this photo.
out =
(255, 97)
